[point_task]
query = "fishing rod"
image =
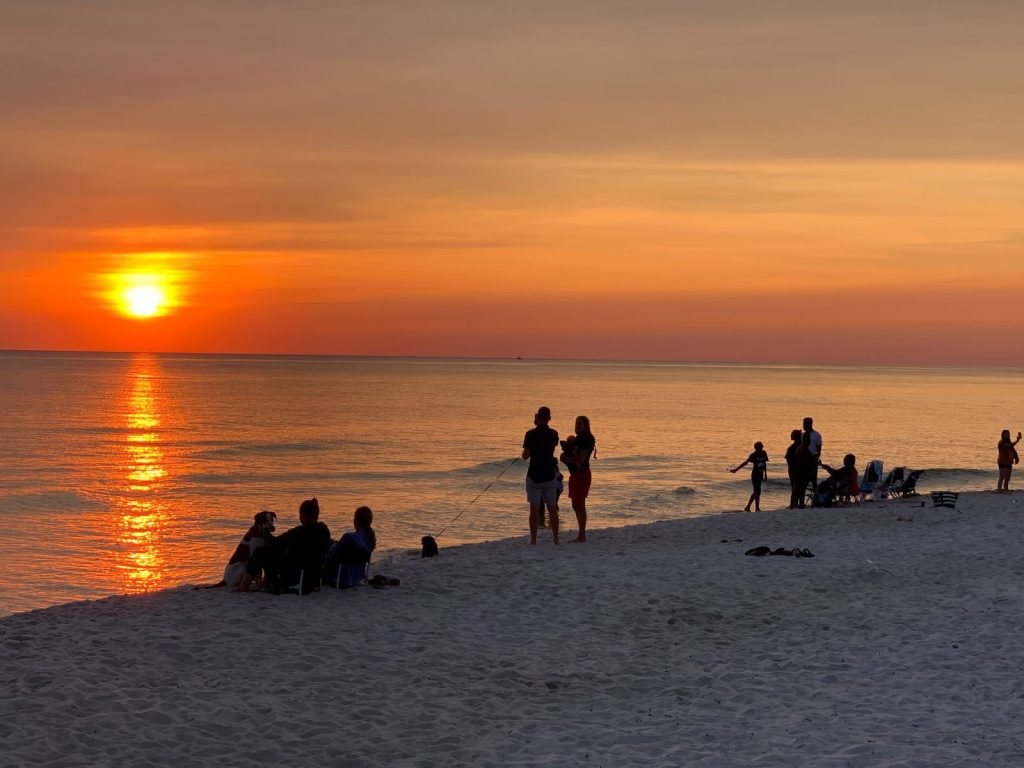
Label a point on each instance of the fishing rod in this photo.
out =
(506, 469)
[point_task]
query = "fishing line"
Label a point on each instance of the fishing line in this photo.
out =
(506, 469)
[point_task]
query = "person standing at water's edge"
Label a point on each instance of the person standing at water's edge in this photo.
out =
(795, 494)
(577, 457)
(758, 474)
(1007, 458)
(815, 448)
(542, 475)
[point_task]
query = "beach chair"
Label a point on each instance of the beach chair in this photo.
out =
(872, 477)
(886, 489)
(348, 564)
(908, 486)
(349, 574)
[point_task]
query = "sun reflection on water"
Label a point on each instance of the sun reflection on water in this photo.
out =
(140, 513)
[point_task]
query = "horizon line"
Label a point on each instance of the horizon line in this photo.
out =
(527, 359)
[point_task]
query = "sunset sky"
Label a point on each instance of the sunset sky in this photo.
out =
(805, 181)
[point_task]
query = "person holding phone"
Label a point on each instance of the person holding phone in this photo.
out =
(1007, 458)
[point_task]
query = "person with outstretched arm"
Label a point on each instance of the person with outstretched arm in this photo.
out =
(758, 474)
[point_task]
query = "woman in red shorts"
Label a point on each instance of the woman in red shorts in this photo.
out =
(577, 459)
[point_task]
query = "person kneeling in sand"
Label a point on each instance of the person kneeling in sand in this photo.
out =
(348, 558)
(296, 553)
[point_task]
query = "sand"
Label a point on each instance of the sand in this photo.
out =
(899, 644)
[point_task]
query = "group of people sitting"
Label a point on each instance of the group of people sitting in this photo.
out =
(303, 557)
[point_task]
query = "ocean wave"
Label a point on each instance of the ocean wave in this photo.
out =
(50, 500)
(641, 459)
(959, 472)
(267, 449)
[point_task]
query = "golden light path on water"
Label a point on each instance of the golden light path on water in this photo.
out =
(140, 515)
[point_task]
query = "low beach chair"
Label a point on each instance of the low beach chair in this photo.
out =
(872, 478)
(908, 487)
(886, 489)
(349, 575)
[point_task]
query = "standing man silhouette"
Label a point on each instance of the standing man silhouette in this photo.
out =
(815, 448)
(539, 446)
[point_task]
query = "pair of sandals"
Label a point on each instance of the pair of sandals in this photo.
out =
(795, 552)
(380, 582)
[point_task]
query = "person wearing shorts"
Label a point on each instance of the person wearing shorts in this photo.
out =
(1007, 458)
(758, 474)
(542, 475)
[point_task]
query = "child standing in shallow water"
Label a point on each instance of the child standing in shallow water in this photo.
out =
(758, 474)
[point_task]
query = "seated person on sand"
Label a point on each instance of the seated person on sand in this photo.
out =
(260, 534)
(845, 477)
(347, 559)
(298, 551)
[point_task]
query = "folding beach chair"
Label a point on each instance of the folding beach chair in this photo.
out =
(872, 478)
(908, 487)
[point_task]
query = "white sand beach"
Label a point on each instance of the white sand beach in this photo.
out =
(899, 644)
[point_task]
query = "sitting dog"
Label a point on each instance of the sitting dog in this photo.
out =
(260, 533)
(429, 546)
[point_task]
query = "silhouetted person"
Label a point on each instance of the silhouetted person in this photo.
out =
(1007, 458)
(577, 458)
(346, 561)
(807, 468)
(793, 468)
(758, 461)
(815, 448)
(539, 446)
(846, 476)
(297, 551)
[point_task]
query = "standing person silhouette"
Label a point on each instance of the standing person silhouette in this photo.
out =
(796, 496)
(758, 474)
(815, 448)
(539, 446)
(1007, 458)
(577, 458)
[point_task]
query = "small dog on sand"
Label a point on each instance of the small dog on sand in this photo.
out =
(429, 546)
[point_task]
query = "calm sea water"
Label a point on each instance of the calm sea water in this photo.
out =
(125, 473)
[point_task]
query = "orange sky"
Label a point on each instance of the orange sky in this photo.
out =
(793, 181)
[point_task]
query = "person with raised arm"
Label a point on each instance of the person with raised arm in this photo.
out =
(1007, 458)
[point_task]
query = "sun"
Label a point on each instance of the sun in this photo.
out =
(144, 295)
(144, 300)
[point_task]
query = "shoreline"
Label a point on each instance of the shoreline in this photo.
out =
(652, 644)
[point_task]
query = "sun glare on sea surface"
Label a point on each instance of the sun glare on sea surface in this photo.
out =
(154, 291)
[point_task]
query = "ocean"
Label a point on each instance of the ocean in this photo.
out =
(123, 473)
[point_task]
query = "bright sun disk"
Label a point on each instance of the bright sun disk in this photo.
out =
(144, 300)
